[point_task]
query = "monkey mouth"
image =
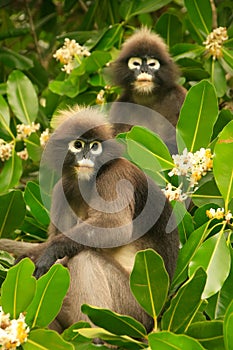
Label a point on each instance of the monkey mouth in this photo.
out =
(144, 77)
(85, 165)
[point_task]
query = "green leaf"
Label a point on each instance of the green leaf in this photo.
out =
(200, 14)
(187, 50)
(210, 257)
(44, 339)
(184, 220)
(18, 288)
(113, 322)
(227, 327)
(123, 342)
(218, 76)
(11, 172)
(22, 97)
(227, 60)
(208, 193)
(185, 304)
(197, 117)
(33, 199)
(147, 150)
(170, 28)
(208, 333)
(97, 60)
(33, 147)
(223, 163)
(187, 252)
(112, 36)
(71, 334)
(50, 292)
(219, 302)
(149, 281)
(131, 8)
(5, 117)
(170, 341)
(10, 204)
(14, 60)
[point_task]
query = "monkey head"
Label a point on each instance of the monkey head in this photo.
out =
(144, 64)
(81, 144)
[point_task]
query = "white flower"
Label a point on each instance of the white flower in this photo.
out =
(219, 214)
(44, 137)
(67, 53)
(23, 154)
(14, 332)
(174, 193)
(5, 150)
(192, 165)
(24, 131)
(214, 42)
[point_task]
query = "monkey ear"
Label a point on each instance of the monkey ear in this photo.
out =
(61, 115)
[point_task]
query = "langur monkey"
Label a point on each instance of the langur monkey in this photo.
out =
(104, 210)
(148, 77)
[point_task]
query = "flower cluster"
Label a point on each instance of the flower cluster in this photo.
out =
(174, 193)
(67, 53)
(24, 131)
(100, 99)
(214, 42)
(5, 150)
(219, 214)
(12, 332)
(192, 165)
(44, 137)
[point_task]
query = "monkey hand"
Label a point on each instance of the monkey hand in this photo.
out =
(43, 264)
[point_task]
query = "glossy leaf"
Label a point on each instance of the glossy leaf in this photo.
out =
(219, 302)
(208, 333)
(186, 50)
(15, 60)
(227, 60)
(197, 117)
(22, 97)
(112, 36)
(227, 327)
(11, 172)
(185, 304)
(218, 77)
(4, 117)
(122, 342)
(171, 341)
(131, 8)
(200, 14)
(71, 333)
(10, 204)
(47, 340)
(170, 28)
(147, 150)
(18, 288)
(149, 281)
(208, 193)
(50, 292)
(113, 322)
(223, 162)
(33, 199)
(33, 147)
(184, 221)
(209, 257)
(187, 252)
(97, 60)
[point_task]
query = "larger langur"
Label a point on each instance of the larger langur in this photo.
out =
(104, 210)
(148, 77)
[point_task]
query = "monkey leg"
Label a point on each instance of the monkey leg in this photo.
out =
(101, 282)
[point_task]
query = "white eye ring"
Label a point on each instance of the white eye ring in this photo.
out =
(153, 63)
(95, 147)
(76, 146)
(134, 63)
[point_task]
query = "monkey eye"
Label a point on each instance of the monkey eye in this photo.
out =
(153, 63)
(76, 146)
(134, 62)
(96, 147)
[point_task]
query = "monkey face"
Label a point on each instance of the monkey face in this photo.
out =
(144, 69)
(83, 154)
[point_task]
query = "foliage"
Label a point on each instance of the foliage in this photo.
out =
(194, 310)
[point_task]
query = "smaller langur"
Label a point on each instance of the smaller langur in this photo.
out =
(104, 210)
(148, 76)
